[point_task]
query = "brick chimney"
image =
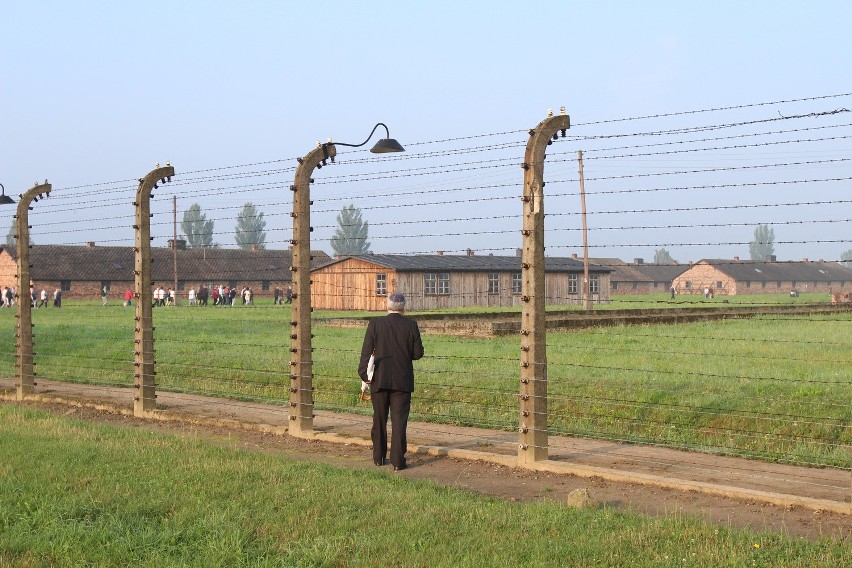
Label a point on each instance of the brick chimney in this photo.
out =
(573, 255)
(90, 244)
(638, 261)
(805, 259)
(254, 247)
(736, 258)
(439, 253)
(469, 252)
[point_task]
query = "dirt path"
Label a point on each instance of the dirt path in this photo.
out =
(449, 455)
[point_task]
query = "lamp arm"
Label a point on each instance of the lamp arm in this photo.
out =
(387, 132)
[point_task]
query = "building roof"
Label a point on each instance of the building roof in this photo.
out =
(467, 263)
(639, 271)
(781, 271)
(661, 272)
(93, 263)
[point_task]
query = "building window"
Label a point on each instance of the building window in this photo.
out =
(573, 279)
(594, 283)
(763, 284)
(493, 283)
(748, 283)
(688, 284)
(517, 283)
(634, 285)
(381, 284)
(106, 284)
(65, 285)
(430, 285)
(443, 283)
(181, 284)
(264, 285)
(719, 284)
(614, 285)
(232, 284)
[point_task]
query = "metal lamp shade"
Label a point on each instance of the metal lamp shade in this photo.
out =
(387, 145)
(5, 199)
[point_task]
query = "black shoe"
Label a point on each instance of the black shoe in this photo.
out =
(400, 467)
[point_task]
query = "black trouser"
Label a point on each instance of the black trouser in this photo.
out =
(398, 404)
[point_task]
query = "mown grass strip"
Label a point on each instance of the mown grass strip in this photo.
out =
(74, 493)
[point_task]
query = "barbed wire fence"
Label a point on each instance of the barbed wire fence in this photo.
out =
(652, 182)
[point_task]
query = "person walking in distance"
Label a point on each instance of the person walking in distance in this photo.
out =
(395, 342)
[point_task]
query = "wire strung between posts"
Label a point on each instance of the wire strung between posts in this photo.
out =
(711, 149)
(726, 431)
(676, 444)
(708, 128)
(715, 109)
(704, 374)
(713, 138)
(699, 187)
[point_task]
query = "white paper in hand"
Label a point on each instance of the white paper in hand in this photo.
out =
(371, 368)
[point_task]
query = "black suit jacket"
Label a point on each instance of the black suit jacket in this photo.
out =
(396, 342)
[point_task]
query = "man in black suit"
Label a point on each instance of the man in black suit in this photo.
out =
(395, 341)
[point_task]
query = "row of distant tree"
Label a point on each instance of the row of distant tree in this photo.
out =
(249, 232)
(761, 248)
(350, 237)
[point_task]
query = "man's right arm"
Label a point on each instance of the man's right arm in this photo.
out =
(367, 349)
(417, 347)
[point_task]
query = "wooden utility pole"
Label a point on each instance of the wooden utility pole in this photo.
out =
(26, 373)
(533, 437)
(587, 298)
(145, 397)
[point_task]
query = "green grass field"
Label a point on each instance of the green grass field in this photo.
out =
(79, 494)
(772, 387)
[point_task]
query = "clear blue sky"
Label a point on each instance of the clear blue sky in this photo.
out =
(101, 91)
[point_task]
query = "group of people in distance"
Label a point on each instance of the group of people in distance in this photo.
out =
(280, 297)
(219, 295)
(9, 297)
